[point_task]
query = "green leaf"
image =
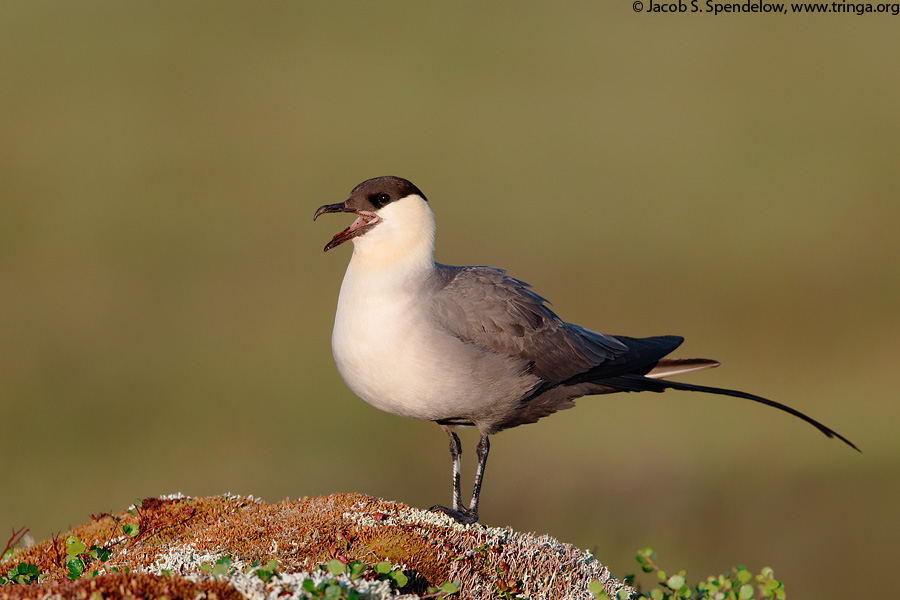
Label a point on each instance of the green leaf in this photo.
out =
(356, 569)
(99, 552)
(23, 573)
(75, 568)
(335, 567)
(645, 559)
(451, 587)
(596, 588)
(746, 592)
(222, 566)
(383, 568)
(267, 572)
(74, 546)
(675, 582)
(333, 592)
(308, 585)
(399, 577)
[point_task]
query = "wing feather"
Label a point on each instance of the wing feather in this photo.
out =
(484, 306)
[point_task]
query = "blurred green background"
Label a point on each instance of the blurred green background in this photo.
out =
(165, 306)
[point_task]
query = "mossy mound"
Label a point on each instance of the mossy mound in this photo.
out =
(165, 546)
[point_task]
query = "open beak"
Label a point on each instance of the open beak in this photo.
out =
(365, 221)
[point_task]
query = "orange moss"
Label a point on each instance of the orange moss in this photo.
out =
(301, 535)
(124, 586)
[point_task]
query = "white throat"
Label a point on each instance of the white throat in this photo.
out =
(400, 246)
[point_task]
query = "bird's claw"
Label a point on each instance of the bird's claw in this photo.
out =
(463, 516)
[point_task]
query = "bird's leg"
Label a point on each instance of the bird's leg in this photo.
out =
(484, 446)
(458, 512)
(455, 451)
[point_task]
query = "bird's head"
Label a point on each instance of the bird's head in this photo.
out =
(392, 218)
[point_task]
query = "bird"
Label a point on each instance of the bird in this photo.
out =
(470, 346)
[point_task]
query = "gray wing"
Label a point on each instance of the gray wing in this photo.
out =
(483, 306)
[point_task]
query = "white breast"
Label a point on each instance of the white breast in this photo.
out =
(391, 354)
(384, 353)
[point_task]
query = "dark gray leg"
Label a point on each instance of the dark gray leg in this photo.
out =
(484, 446)
(458, 512)
(455, 451)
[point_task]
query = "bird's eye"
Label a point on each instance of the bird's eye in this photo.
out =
(379, 200)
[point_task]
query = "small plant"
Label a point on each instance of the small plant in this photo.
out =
(397, 577)
(506, 587)
(383, 571)
(79, 557)
(481, 549)
(736, 584)
(266, 573)
(448, 588)
(17, 536)
(130, 530)
(74, 565)
(150, 520)
(22, 573)
(331, 589)
(221, 567)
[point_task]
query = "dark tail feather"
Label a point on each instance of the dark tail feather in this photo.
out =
(639, 383)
